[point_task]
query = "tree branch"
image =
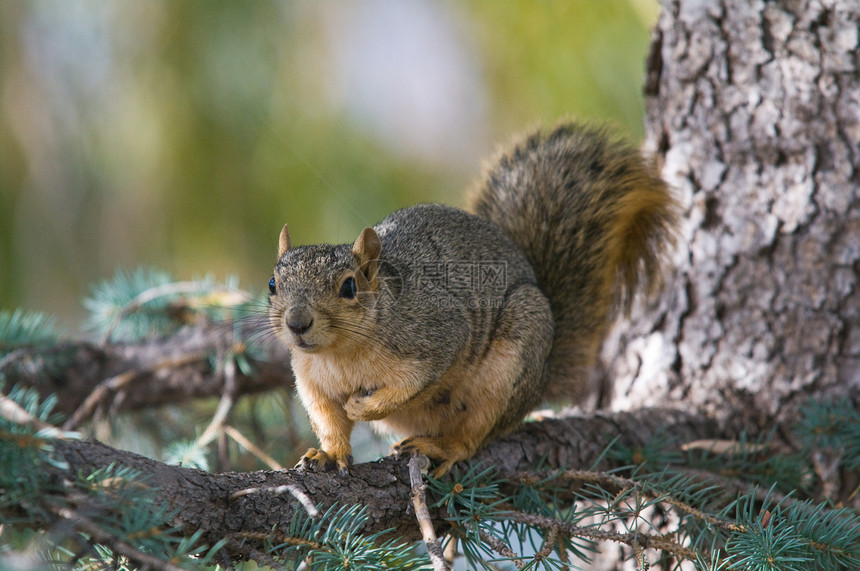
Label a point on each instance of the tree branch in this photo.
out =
(128, 376)
(221, 505)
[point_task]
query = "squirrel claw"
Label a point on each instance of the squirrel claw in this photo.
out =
(427, 447)
(316, 459)
(404, 447)
(310, 461)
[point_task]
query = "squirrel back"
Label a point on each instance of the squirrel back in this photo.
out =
(593, 219)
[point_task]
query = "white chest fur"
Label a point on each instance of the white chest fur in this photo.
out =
(339, 375)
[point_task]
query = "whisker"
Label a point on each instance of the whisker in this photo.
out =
(355, 332)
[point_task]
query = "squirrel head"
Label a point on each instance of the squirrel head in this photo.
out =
(325, 296)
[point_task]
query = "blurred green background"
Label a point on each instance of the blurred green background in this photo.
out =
(183, 134)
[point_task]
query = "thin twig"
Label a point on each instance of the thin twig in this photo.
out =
(562, 557)
(739, 486)
(11, 357)
(624, 484)
(639, 555)
(100, 393)
(417, 465)
(296, 492)
(647, 541)
(450, 550)
(118, 382)
(13, 412)
(228, 399)
(251, 447)
(499, 547)
(549, 543)
(279, 537)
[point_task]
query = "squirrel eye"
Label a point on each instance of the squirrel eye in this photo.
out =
(272, 285)
(348, 289)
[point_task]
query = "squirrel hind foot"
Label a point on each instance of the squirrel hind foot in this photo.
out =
(439, 449)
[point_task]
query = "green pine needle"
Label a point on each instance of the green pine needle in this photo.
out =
(792, 535)
(187, 453)
(831, 426)
(148, 303)
(22, 328)
(335, 541)
(110, 302)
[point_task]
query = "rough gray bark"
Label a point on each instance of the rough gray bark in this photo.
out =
(754, 110)
(204, 500)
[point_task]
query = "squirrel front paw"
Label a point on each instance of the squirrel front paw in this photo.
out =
(318, 459)
(363, 404)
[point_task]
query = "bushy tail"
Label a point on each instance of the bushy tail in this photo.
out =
(594, 220)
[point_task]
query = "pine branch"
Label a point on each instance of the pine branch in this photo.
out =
(647, 489)
(97, 534)
(243, 514)
(21, 328)
(215, 503)
(501, 548)
(14, 413)
(633, 539)
(129, 376)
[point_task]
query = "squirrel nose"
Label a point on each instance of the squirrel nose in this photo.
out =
(299, 320)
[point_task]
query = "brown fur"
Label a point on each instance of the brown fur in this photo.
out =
(594, 220)
(570, 224)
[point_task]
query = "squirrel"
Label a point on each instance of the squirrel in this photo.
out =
(448, 327)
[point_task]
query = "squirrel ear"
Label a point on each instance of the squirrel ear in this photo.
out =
(283, 241)
(366, 250)
(367, 246)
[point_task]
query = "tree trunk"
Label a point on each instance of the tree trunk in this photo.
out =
(753, 107)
